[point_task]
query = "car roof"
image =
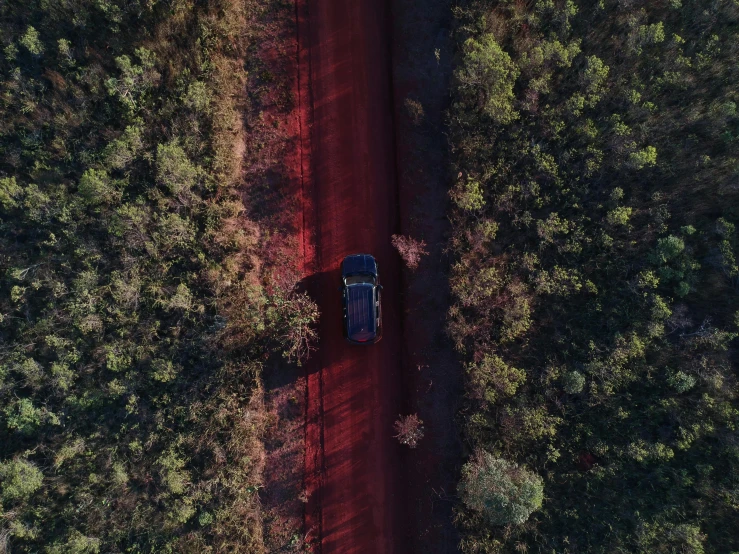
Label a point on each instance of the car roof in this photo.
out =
(359, 263)
(361, 325)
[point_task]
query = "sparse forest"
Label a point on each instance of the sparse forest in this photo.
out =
(595, 277)
(138, 300)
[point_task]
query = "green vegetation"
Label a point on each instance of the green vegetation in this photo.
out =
(137, 302)
(595, 212)
(500, 492)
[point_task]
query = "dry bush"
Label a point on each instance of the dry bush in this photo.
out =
(409, 249)
(409, 430)
(299, 314)
(415, 110)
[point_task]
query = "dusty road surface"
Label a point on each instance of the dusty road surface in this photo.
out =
(351, 204)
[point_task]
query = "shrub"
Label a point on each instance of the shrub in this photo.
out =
(573, 382)
(652, 34)
(10, 192)
(681, 381)
(409, 249)
(198, 97)
(414, 109)
(669, 248)
(293, 319)
(502, 492)
(175, 171)
(409, 430)
(682, 289)
(668, 538)
(643, 158)
(619, 216)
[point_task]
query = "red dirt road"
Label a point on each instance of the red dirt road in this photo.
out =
(350, 202)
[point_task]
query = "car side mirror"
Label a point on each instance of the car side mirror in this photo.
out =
(379, 287)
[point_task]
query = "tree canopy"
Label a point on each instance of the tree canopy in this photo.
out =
(137, 298)
(594, 274)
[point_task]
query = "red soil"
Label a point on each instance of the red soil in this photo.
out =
(350, 202)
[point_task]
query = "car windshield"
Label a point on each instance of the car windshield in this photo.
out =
(357, 279)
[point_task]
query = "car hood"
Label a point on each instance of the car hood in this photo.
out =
(361, 324)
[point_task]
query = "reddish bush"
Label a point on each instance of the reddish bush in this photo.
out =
(409, 249)
(409, 429)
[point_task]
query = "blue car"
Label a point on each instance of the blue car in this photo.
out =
(360, 293)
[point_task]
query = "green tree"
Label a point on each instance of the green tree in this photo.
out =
(468, 195)
(669, 248)
(23, 416)
(19, 479)
(643, 158)
(76, 543)
(502, 492)
(573, 382)
(487, 76)
(594, 77)
(175, 171)
(97, 188)
(492, 378)
(619, 216)
(32, 41)
(10, 193)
